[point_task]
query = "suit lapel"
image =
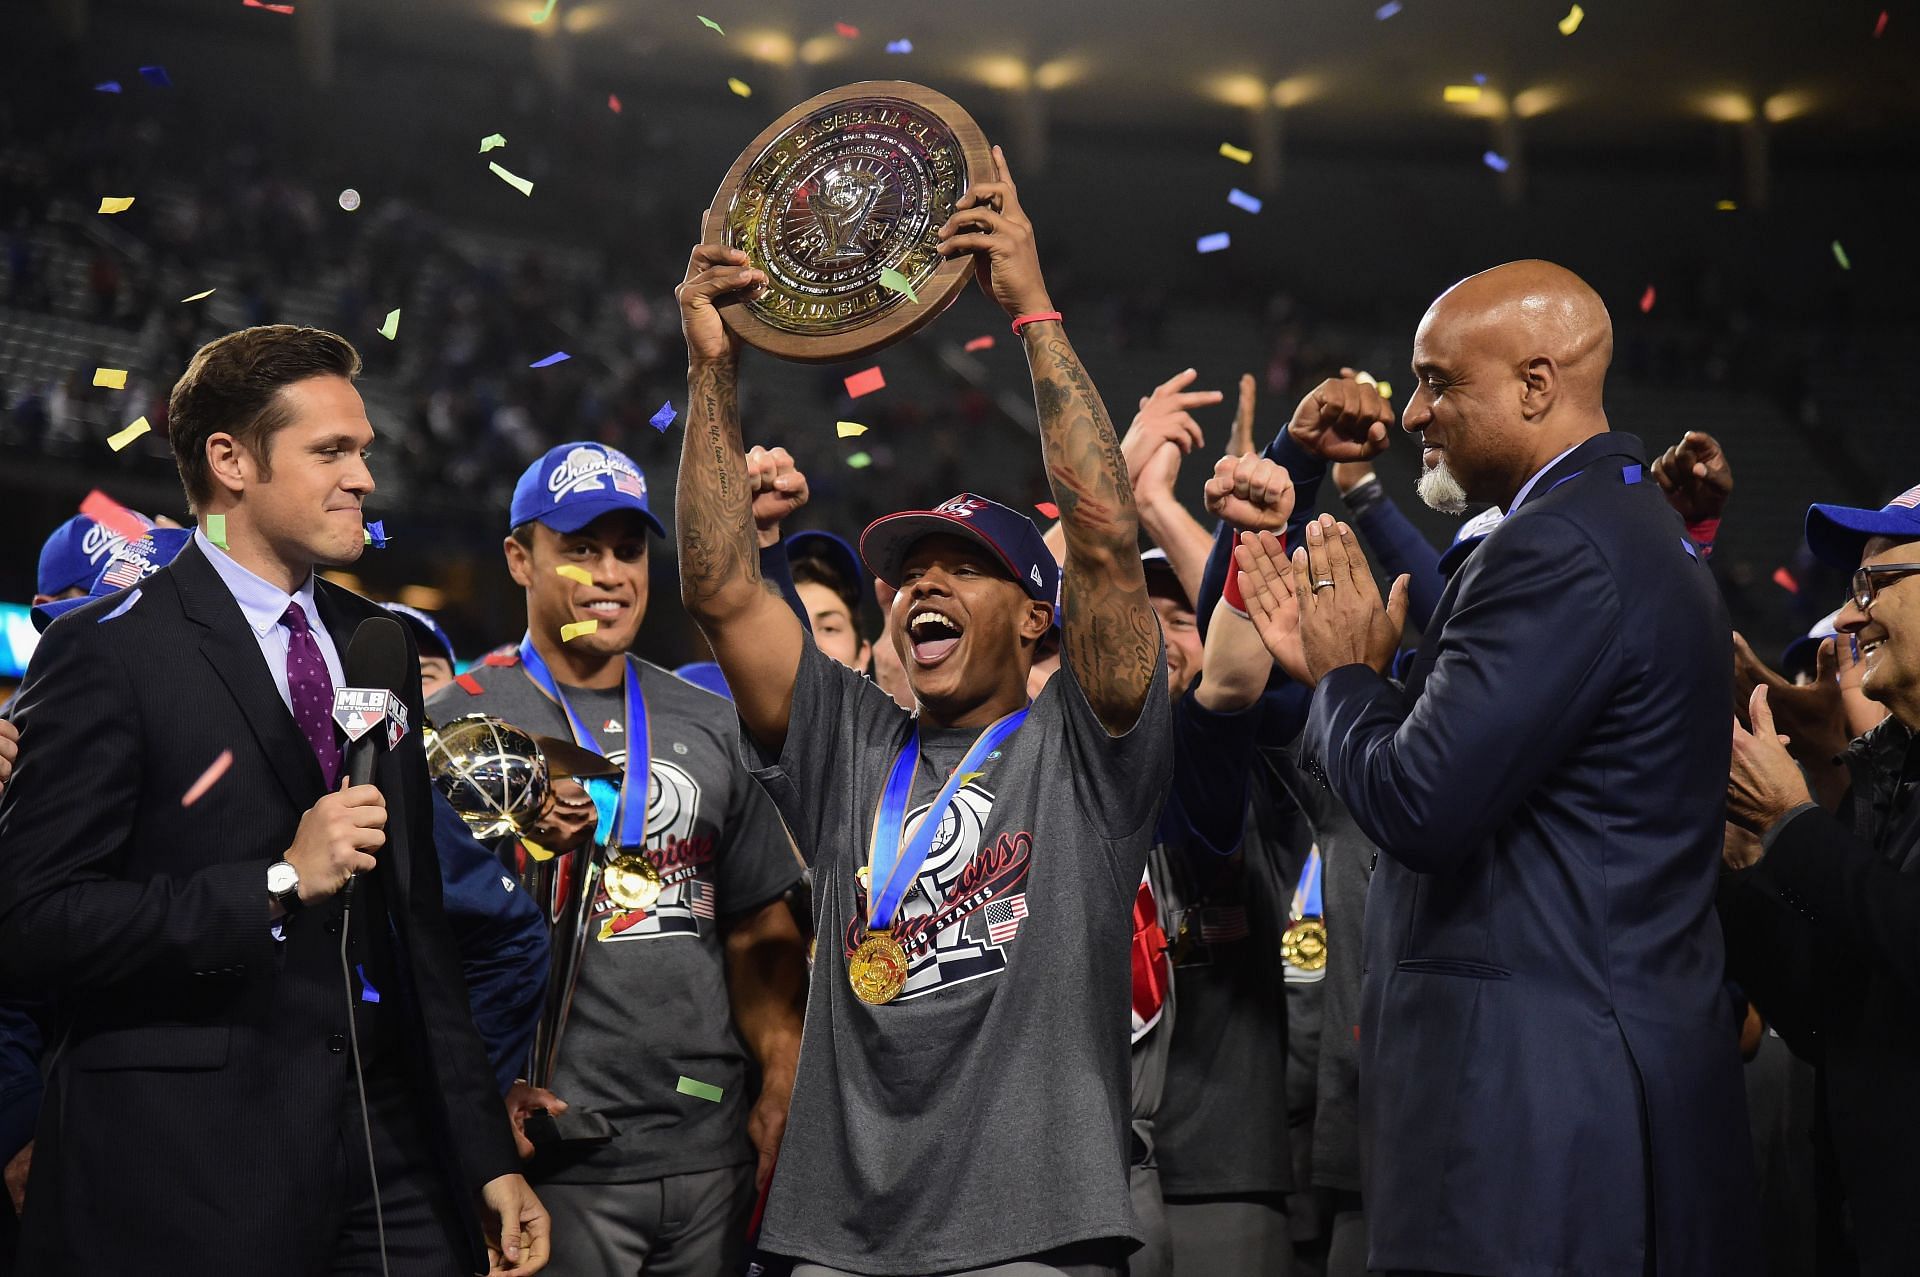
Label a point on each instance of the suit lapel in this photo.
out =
(228, 645)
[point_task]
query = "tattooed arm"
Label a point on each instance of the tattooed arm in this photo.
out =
(1111, 637)
(754, 635)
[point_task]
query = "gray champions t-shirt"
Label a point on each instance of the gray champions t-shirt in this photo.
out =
(652, 1004)
(982, 1115)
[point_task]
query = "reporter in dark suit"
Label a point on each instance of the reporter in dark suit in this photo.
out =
(202, 1112)
(1549, 1075)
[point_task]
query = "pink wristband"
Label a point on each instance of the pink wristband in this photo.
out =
(1038, 317)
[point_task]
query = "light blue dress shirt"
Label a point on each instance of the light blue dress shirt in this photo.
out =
(1518, 497)
(263, 604)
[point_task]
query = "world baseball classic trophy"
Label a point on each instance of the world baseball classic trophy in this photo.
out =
(838, 202)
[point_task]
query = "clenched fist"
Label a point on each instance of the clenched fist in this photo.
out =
(1252, 493)
(779, 489)
(1342, 419)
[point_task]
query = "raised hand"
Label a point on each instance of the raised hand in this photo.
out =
(1241, 442)
(1695, 476)
(1163, 432)
(988, 221)
(1342, 419)
(779, 489)
(1266, 587)
(714, 275)
(1250, 492)
(1763, 783)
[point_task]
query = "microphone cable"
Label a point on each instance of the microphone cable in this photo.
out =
(359, 1077)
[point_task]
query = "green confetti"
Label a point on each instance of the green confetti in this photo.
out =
(699, 1090)
(391, 328)
(893, 279)
(705, 21)
(1840, 255)
(544, 14)
(490, 142)
(217, 530)
(860, 461)
(519, 184)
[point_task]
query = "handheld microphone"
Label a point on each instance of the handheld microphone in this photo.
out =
(369, 708)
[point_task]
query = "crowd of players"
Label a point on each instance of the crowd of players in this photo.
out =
(1108, 1017)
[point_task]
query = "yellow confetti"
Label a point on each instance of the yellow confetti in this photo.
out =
(574, 629)
(740, 88)
(1571, 23)
(197, 297)
(115, 203)
(1726, 206)
(1461, 93)
(969, 777)
(1386, 389)
(391, 328)
(573, 573)
(1238, 154)
(111, 378)
(519, 184)
(535, 850)
(127, 436)
(849, 429)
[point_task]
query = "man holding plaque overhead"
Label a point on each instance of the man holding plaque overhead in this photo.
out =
(961, 1101)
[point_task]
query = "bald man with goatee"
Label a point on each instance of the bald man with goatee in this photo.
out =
(1550, 1081)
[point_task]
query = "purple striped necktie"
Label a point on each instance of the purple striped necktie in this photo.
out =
(310, 688)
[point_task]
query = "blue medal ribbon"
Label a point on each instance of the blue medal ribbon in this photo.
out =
(1306, 896)
(632, 820)
(894, 867)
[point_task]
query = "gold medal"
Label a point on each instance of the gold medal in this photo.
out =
(877, 969)
(1305, 944)
(633, 881)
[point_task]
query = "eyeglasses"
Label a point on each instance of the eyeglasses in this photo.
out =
(1863, 580)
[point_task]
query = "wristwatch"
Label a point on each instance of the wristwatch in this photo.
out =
(283, 884)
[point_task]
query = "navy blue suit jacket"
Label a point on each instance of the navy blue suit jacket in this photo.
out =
(1550, 1080)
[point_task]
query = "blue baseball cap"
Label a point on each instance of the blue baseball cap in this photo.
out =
(576, 483)
(1803, 654)
(75, 553)
(130, 563)
(1837, 534)
(707, 676)
(1009, 535)
(428, 633)
(833, 551)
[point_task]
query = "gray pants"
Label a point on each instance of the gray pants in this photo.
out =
(1229, 1237)
(1155, 1256)
(1020, 1268)
(677, 1226)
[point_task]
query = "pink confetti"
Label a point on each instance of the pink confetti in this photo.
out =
(850, 32)
(1646, 300)
(1784, 579)
(980, 343)
(613, 103)
(208, 779)
(865, 383)
(1047, 508)
(1881, 25)
(271, 8)
(113, 516)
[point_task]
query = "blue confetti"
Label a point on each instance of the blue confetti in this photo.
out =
(557, 357)
(157, 76)
(900, 46)
(664, 418)
(1240, 199)
(377, 533)
(606, 802)
(1213, 243)
(108, 86)
(1495, 161)
(1480, 78)
(367, 992)
(1387, 10)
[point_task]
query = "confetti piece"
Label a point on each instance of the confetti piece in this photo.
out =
(708, 22)
(1460, 93)
(1047, 508)
(1571, 23)
(741, 88)
(894, 281)
(349, 199)
(1784, 579)
(1646, 300)
(1480, 78)
(664, 418)
(376, 531)
(113, 516)
(859, 461)
(613, 103)
(270, 8)
(849, 429)
(490, 141)
(157, 76)
(574, 629)
(980, 343)
(391, 328)
(865, 383)
(1213, 243)
(534, 849)
(1878, 26)
(850, 32)
(1385, 388)
(115, 203)
(208, 779)
(200, 297)
(1238, 154)
(217, 530)
(557, 357)
(1840, 255)
(900, 46)
(1387, 10)
(1495, 161)
(968, 777)
(519, 184)
(367, 992)
(574, 573)
(1726, 206)
(1240, 199)
(107, 86)
(700, 1090)
(544, 14)
(121, 438)
(111, 378)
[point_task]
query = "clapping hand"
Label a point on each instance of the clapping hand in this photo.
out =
(1764, 783)
(1340, 617)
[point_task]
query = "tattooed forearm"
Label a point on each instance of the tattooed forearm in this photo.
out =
(713, 507)
(1111, 637)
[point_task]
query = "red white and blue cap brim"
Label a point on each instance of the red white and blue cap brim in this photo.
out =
(888, 540)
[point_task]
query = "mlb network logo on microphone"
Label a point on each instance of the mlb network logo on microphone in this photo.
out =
(358, 709)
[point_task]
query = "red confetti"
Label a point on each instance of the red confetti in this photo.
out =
(113, 516)
(613, 103)
(271, 8)
(1784, 579)
(981, 343)
(851, 32)
(469, 684)
(865, 383)
(1646, 300)
(1881, 25)
(207, 779)
(1047, 508)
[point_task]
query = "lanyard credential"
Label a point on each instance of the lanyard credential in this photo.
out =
(894, 867)
(632, 822)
